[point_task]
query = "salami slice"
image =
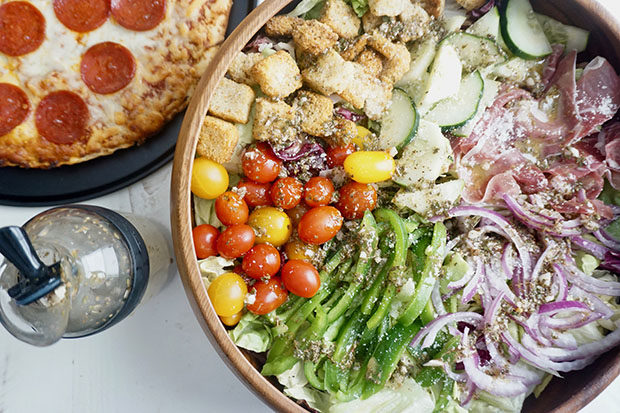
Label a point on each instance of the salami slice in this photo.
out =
(82, 16)
(107, 67)
(138, 15)
(14, 107)
(61, 117)
(22, 28)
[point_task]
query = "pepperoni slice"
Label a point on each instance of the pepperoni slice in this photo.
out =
(138, 15)
(22, 28)
(14, 107)
(82, 16)
(107, 67)
(61, 117)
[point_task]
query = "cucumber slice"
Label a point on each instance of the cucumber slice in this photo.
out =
(425, 158)
(572, 37)
(491, 89)
(445, 77)
(439, 196)
(515, 69)
(487, 25)
(400, 123)
(421, 58)
(456, 111)
(475, 51)
(521, 30)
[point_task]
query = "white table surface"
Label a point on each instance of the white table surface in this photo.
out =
(157, 360)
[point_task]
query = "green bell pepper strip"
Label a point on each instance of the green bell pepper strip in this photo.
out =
(376, 287)
(429, 376)
(310, 373)
(383, 307)
(428, 314)
(428, 277)
(386, 356)
(445, 395)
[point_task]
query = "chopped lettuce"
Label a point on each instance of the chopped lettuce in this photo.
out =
(252, 333)
(488, 403)
(204, 212)
(213, 267)
(304, 7)
(360, 7)
(609, 195)
(295, 386)
(613, 229)
(586, 262)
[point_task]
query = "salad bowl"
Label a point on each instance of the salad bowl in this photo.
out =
(569, 394)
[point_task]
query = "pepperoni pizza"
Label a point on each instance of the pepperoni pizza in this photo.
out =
(83, 78)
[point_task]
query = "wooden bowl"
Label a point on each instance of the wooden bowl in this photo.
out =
(566, 395)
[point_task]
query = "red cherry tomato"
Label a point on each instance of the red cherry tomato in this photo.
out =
(295, 214)
(263, 260)
(337, 154)
(286, 192)
(301, 278)
(355, 198)
(231, 209)
(205, 237)
(256, 194)
(235, 241)
(260, 164)
(319, 225)
(318, 191)
(270, 294)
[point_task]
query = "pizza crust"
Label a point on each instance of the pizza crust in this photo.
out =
(168, 68)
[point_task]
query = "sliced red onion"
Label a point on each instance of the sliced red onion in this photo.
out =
(349, 114)
(490, 313)
(537, 221)
(611, 262)
(541, 261)
(555, 307)
(462, 282)
(436, 300)
(430, 331)
(525, 374)
(471, 288)
(499, 285)
(597, 304)
(259, 40)
(470, 390)
(484, 9)
(560, 282)
(571, 322)
(591, 284)
(606, 241)
(291, 152)
(562, 340)
(506, 261)
(459, 377)
(591, 247)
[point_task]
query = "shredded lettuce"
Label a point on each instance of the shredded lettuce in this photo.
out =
(614, 229)
(296, 386)
(360, 7)
(488, 403)
(252, 333)
(586, 262)
(609, 195)
(304, 7)
(204, 212)
(213, 267)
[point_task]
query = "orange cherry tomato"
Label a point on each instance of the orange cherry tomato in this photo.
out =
(232, 320)
(260, 164)
(355, 198)
(256, 194)
(299, 250)
(231, 209)
(301, 278)
(286, 192)
(318, 191)
(263, 260)
(269, 295)
(295, 214)
(337, 154)
(235, 241)
(319, 225)
(205, 238)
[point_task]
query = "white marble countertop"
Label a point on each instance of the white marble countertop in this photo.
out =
(157, 360)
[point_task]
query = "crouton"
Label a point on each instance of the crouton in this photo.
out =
(314, 37)
(382, 45)
(371, 22)
(315, 112)
(387, 7)
(277, 75)
(273, 121)
(231, 101)
(378, 97)
(343, 130)
(397, 66)
(416, 22)
(330, 74)
(341, 18)
(367, 92)
(433, 7)
(471, 4)
(217, 139)
(239, 69)
(281, 26)
(372, 62)
(353, 49)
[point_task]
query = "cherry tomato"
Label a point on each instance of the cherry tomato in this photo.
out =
(260, 164)
(318, 191)
(286, 192)
(295, 214)
(235, 241)
(270, 294)
(261, 261)
(271, 225)
(255, 194)
(231, 209)
(355, 198)
(301, 278)
(319, 225)
(209, 179)
(205, 238)
(337, 154)
(368, 167)
(232, 320)
(299, 250)
(227, 293)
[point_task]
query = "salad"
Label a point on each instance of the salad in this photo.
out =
(413, 206)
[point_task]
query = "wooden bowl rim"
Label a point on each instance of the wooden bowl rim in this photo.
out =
(181, 212)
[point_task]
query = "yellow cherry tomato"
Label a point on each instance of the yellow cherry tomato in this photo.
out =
(299, 250)
(232, 320)
(227, 293)
(271, 225)
(209, 179)
(362, 134)
(368, 167)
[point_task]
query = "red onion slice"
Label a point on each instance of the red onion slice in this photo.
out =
(591, 247)
(589, 283)
(607, 240)
(430, 331)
